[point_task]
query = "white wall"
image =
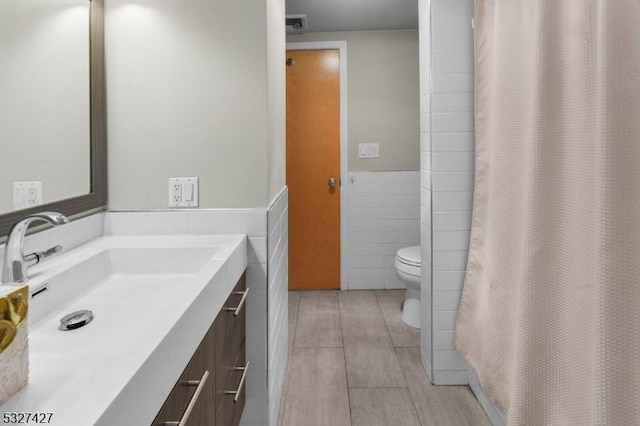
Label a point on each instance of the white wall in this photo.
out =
(187, 84)
(384, 216)
(276, 97)
(44, 98)
(382, 98)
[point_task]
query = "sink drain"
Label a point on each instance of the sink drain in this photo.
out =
(76, 320)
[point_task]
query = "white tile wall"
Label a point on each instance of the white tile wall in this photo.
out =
(426, 182)
(212, 221)
(277, 307)
(451, 25)
(452, 182)
(453, 161)
(452, 82)
(455, 141)
(452, 176)
(451, 8)
(452, 42)
(453, 201)
(452, 102)
(256, 408)
(384, 216)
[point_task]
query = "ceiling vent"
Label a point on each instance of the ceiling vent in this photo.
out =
(296, 24)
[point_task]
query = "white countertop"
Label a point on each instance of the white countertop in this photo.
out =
(119, 369)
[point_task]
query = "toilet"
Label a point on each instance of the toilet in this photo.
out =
(408, 265)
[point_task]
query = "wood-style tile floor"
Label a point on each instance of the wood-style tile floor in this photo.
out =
(352, 361)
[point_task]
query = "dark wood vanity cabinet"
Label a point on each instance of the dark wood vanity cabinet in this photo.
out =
(210, 390)
(188, 399)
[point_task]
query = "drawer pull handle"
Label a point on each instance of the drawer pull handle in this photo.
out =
(238, 308)
(241, 384)
(192, 403)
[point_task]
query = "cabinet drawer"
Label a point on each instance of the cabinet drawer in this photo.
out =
(229, 409)
(195, 376)
(230, 335)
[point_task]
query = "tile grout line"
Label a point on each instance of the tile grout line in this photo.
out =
(384, 318)
(344, 359)
(295, 325)
(380, 387)
(395, 351)
(413, 400)
(322, 347)
(290, 359)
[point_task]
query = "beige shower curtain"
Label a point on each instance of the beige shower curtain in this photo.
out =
(550, 313)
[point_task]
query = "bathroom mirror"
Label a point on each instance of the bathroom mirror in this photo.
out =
(52, 107)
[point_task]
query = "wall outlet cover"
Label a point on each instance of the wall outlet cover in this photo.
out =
(183, 192)
(27, 194)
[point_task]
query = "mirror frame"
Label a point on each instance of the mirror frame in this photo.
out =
(96, 199)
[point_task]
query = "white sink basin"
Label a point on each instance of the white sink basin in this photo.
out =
(156, 260)
(152, 297)
(159, 269)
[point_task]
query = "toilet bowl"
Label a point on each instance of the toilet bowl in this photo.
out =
(408, 266)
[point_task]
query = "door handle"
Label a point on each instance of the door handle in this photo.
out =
(332, 183)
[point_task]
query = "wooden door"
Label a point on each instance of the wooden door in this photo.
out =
(313, 158)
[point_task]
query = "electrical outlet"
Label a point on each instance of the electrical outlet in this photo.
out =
(27, 194)
(183, 192)
(176, 193)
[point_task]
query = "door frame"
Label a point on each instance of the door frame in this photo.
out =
(341, 46)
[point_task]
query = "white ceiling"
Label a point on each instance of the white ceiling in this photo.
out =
(356, 15)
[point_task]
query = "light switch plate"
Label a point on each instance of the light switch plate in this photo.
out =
(183, 192)
(368, 150)
(27, 194)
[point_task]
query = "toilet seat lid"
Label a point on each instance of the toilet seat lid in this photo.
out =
(409, 255)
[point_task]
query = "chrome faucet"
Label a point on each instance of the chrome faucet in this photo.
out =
(14, 269)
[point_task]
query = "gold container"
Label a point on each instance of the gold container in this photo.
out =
(14, 340)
